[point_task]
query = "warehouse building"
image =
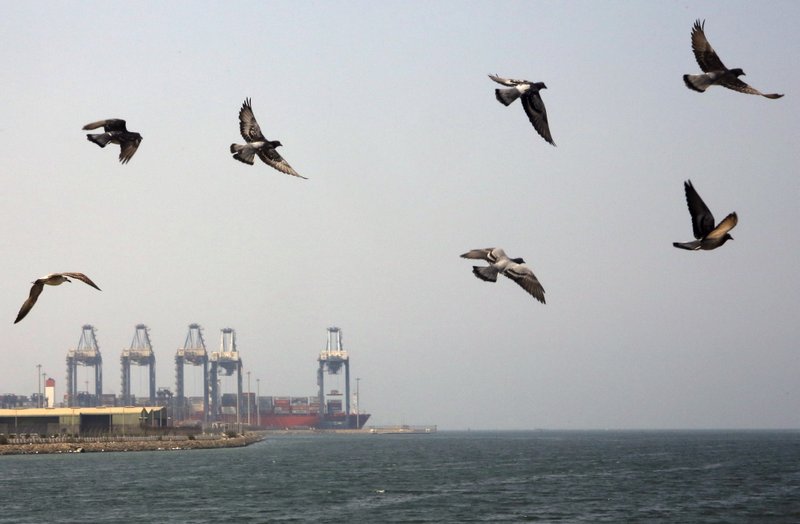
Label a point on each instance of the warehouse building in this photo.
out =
(82, 421)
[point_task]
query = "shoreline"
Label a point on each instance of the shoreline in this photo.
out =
(106, 446)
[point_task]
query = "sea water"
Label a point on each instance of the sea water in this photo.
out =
(542, 476)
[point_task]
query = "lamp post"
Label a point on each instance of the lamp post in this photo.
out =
(258, 404)
(238, 410)
(248, 398)
(39, 388)
(358, 398)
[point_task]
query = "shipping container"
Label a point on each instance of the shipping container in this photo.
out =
(229, 399)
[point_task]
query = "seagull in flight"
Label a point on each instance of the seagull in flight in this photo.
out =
(257, 144)
(531, 101)
(715, 72)
(708, 237)
(116, 133)
(54, 279)
(514, 268)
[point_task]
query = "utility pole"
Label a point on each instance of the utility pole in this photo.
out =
(248, 398)
(39, 390)
(258, 404)
(238, 412)
(358, 398)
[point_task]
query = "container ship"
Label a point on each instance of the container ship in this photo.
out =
(299, 412)
(292, 413)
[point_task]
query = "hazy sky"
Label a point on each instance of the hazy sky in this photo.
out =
(387, 108)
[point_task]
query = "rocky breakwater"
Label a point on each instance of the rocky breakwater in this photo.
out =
(110, 444)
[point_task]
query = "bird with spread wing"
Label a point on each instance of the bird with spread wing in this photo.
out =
(531, 102)
(715, 72)
(256, 144)
(115, 132)
(53, 279)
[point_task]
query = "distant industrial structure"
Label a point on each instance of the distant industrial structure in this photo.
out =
(228, 361)
(141, 354)
(326, 410)
(332, 359)
(193, 352)
(86, 354)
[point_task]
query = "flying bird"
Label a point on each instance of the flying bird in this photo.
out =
(531, 101)
(257, 144)
(53, 279)
(715, 72)
(708, 236)
(116, 133)
(514, 268)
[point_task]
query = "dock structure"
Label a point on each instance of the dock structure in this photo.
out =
(193, 352)
(140, 353)
(333, 358)
(86, 354)
(226, 361)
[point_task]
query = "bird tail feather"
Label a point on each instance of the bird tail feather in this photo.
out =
(506, 96)
(697, 83)
(243, 153)
(691, 246)
(485, 273)
(100, 139)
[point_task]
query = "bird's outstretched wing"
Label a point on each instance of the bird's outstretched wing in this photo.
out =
(127, 147)
(36, 290)
(274, 159)
(510, 82)
(537, 114)
(738, 85)
(490, 254)
(248, 126)
(702, 219)
(111, 124)
(706, 57)
(82, 278)
(728, 223)
(522, 275)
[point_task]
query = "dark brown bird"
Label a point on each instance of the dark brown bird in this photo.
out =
(53, 279)
(116, 133)
(715, 72)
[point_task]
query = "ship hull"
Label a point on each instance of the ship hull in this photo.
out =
(295, 421)
(309, 421)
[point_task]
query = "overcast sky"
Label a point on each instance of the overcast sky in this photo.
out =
(387, 108)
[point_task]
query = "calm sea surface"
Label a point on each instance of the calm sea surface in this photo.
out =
(548, 476)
